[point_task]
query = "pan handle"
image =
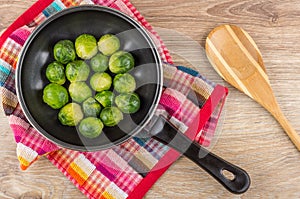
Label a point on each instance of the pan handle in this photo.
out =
(166, 133)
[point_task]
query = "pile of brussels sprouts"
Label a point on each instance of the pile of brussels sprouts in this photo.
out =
(90, 83)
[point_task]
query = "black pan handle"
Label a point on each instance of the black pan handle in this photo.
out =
(164, 132)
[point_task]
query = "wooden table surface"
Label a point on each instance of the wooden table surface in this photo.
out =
(247, 134)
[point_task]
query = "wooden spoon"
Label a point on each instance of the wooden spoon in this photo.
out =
(235, 56)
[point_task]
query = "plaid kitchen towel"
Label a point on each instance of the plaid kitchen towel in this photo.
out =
(130, 169)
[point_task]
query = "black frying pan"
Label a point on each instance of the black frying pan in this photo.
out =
(96, 20)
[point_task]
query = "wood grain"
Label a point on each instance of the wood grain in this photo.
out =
(237, 59)
(248, 135)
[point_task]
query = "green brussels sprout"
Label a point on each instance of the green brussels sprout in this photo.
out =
(101, 82)
(79, 91)
(105, 98)
(77, 71)
(124, 83)
(111, 116)
(86, 46)
(56, 96)
(64, 51)
(91, 108)
(55, 73)
(70, 115)
(128, 102)
(91, 127)
(121, 62)
(99, 63)
(108, 44)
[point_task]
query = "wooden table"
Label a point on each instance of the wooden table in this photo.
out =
(247, 136)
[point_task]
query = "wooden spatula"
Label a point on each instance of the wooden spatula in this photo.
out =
(236, 57)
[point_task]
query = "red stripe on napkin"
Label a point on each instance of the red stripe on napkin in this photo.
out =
(25, 18)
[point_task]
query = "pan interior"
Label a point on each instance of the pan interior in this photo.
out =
(69, 24)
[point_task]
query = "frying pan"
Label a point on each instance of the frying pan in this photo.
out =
(97, 20)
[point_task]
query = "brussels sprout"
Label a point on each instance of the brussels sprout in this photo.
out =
(56, 96)
(70, 115)
(64, 51)
(124, 83)
(86, 46)
(79, 91)
(128, 102)
(99, 63)
(111, 116)
(77, 71)
(121, 62)
(105, 98)
(108, 44)
(55, 73)
(101, 82)
(91, 108)
(91, 127)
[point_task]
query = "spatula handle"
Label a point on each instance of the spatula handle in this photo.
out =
(290, 131)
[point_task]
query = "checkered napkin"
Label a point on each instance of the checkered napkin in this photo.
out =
(130, 169)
